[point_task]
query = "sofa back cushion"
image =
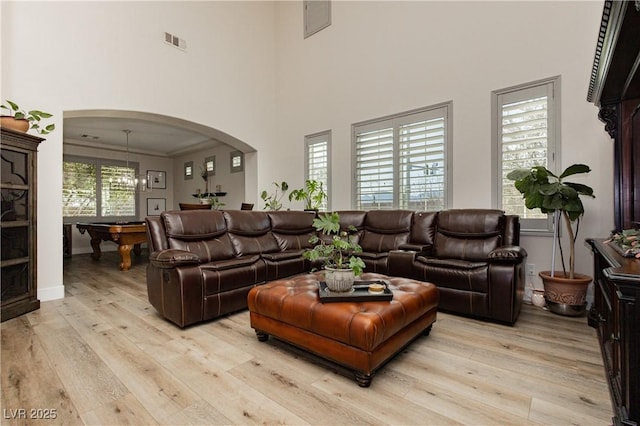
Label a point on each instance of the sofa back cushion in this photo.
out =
(423, 228)
(250, 232)
(203, 232)
(385, 230)
(292, 229)
(468, 234)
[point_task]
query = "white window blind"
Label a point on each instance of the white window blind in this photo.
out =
(118, 198)
(422, 165)
(79, 189)
(401, 161)
(526, 137)
(374, 169)
(94, 189)
(317, 157)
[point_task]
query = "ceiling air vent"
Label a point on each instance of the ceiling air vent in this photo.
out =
(175, 41)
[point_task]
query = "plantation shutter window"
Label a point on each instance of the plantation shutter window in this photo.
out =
(79, 189)
(526, 136)
(118, 199)
(318, 149)
(95, 188)
(422, 168)
(401, 161)
(374, 169)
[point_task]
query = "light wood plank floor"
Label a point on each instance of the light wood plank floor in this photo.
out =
(102, 355)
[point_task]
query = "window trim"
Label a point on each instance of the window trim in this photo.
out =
(399, 119)
(232, 156)
(312, 139)
(99, 161)
(541, 227)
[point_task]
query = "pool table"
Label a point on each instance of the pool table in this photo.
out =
(127, 235)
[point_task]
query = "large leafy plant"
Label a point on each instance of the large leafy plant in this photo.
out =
(312, 194)
(273, 201)
(337, 249)
(541, 189)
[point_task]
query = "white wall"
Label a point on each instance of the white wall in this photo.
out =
(62, 56)
(231, 183)
(381, 58)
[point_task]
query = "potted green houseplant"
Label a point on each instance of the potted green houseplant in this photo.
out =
(312, 194)
(336, 251)
(565, 291)
(21, 120)
(273, 201)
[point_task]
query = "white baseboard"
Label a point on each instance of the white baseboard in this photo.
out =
(51, 293)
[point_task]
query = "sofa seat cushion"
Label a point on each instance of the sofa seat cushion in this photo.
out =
(455, 274)
(283, 255)
(376, 242)
(219, 280)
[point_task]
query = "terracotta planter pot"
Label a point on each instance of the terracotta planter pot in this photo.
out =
(9, 122)
(565, 296)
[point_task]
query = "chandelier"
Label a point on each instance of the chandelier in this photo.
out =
(133, 181)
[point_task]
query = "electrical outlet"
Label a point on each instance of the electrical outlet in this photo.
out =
(531, 270)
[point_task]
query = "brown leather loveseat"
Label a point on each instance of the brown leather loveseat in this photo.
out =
(204, 262)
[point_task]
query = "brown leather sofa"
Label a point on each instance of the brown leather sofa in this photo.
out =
(203, 263)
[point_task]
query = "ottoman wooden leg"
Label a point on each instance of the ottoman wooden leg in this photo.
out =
(363, 380)
(427, 330)
(262, 336)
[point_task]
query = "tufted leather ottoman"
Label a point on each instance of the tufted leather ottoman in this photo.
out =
(361, 336)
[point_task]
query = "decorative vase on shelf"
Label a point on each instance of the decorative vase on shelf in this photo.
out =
(339, 280)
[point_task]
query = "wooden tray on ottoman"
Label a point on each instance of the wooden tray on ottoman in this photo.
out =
(360, 293)
(361, 336)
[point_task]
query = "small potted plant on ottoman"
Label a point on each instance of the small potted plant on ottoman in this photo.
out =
(336, 252)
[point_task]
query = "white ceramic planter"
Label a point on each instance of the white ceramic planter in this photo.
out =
(340, 280)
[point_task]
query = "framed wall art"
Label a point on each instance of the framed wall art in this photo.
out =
(155, 206)
(156, 179)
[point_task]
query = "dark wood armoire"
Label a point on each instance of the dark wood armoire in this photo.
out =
(18, 263)
(615, 89)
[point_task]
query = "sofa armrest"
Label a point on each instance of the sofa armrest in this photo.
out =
(170, 258)
(420, 248)
(508, 254)
(400, 263)
(240, 262)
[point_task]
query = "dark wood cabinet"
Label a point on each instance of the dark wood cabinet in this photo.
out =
(616, 316)
(615, 89)
(18, 184)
